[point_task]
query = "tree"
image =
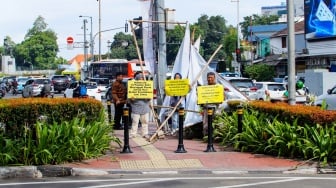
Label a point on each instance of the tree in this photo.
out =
(174, 39)
(230, 45)
(9, 44)
(214, 29)
(39, 49)
(260, 72)
(39, 25)
(256, 20)
(124, 52)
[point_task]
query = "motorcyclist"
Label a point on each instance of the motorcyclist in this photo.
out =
(14, 86)
(80, 90)
(46, 89)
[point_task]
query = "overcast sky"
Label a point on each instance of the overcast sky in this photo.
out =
(62, 16)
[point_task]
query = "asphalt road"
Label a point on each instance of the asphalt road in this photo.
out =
(178, 181)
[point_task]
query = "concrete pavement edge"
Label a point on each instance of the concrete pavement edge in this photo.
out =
(59, 171)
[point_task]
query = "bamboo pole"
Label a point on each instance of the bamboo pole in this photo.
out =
(179, 102)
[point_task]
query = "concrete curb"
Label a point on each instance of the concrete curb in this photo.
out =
(58, 171)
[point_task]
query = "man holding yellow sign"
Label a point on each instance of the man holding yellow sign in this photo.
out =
(209, 96)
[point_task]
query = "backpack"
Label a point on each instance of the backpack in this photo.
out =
(82, 90)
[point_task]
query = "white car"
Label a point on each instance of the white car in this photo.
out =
(92, 90)
(102, 83)
(244, 85)
(270, 90)
(328, 99)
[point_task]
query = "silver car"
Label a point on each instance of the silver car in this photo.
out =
(244, 85)
(328, 99)
(33, 87)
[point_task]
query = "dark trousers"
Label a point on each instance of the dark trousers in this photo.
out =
(118, 112)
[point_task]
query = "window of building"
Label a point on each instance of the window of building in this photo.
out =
(283, 42)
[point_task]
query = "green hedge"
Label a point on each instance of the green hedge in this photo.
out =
(15, 114)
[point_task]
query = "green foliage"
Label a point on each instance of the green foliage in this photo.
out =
(225, 128)
(252, 137)
(319, 143)
(264, 133)
(56, 143)
(174, 38)
(260, 72)
(119, 51)
(25, 112)
(39, 49)
(256, 20)
(284, 139)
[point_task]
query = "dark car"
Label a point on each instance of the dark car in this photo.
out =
(60, 82)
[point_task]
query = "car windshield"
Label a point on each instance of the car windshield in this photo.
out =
(41, 81)
(100, 81)
(276, 87)
(22, 80)
(60, 77)
(229, 74)
(242, 83)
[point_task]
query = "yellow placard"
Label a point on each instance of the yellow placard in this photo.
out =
(140, 89)
(211, 94)
(178, 87)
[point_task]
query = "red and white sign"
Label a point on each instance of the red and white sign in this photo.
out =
(70, 40)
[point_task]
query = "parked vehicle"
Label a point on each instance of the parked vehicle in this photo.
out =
(102, 83)
(229, 74)
(270, 90)
(328, 99)
(92, 90)
(60, 82)
(21, 81)
(33, 87)
(244, 85)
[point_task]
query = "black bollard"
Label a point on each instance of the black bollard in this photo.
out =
(210, 147)
(109, 112)
(240, 118)
(180, 147)
(126, 148)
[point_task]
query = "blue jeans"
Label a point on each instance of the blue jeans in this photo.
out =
(175, 120)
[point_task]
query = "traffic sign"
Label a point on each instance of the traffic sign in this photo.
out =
(70, 40)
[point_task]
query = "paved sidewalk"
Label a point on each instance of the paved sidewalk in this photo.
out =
(160, 157)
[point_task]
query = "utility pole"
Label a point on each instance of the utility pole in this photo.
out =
(85, 51)
(161, 47)
(99, 56)
(291, 53)
(91, 38)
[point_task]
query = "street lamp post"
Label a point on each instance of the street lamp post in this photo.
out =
(99, 32)
(91, 37)
(85, 50)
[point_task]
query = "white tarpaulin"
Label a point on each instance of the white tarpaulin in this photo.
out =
(147, 35)
(190, 64)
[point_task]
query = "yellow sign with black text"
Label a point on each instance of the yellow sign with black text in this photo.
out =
(178, 87)
(211, 94)
(140, 89)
